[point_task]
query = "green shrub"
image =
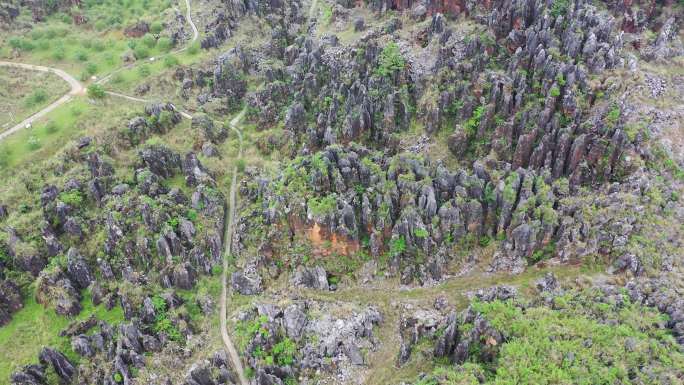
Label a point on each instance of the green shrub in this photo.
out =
(91, 68)
(173, 223)
(241, 165)
(555, 92)
(162, 323)
(73, 198)
(96, 91)
(4, 157)
(192, 215)
(43, 44)
(613, 115)
(21, 44)
(15, 42)
(560, 79)
(141, 52)
(33, 143)
(117, 78)
(38, 96)
(284, 352)
(397, 246)
(164, 44)
(149, 41)
(144, 70)
(58, 53)
(193, 49)
(170, 61)
(327, 14)
(390, 60)
(100, 25)
(99, 45)
(421, 233)
(51, 127)
(454, 107)
(156, 27)
(559, 7)
(245, 331)
(81, 56)
(473, 123)
(322, 206)
(37, 34)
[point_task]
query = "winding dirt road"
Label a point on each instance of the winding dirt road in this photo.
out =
(76, 89)
(228, 241)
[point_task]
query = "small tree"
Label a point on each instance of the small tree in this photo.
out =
(390, 60)
(96, 91)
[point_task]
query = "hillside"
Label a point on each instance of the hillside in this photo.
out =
(205, 192)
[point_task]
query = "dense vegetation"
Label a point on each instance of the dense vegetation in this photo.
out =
(580, 338)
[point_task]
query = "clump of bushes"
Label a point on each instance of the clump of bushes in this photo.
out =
(390, 60)
(96, 91)
(38, 96)
(162, 323)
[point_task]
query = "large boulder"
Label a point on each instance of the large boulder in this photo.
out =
(29, 375)
(78, 270)
(160, 160)
(10, 300)
(247, 281)
(62, 366)
(312, 278)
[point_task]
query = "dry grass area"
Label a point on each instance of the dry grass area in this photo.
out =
(22, 93)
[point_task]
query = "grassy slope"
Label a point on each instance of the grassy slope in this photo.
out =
(33, 327)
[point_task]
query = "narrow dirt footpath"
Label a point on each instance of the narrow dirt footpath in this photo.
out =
(228, 241)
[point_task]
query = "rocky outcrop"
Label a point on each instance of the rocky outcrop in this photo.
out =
(313, 278)
(78, 270)
(160, 160)
(337, 339)
(159, 118)
(137, 30)
(29, 375)
(56, 289)
(414, 325)
(64, 369)
(247, 281)
(10, 300)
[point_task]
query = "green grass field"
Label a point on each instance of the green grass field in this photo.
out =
(33, 327)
